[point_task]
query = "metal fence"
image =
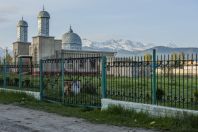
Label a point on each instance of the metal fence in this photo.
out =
(20, 76)
(166, 80)
(129, 79)
(72, 81)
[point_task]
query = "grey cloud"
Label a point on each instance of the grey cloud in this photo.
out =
(7, 12)
(8, 9)
(3, 19)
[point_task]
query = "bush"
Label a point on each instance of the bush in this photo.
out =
(89, 88)
(1, 81)
(147, 96)
(160, 93)
(16, 81)
(26, 83)
(196, 95)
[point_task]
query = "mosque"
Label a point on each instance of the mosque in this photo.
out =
(44, 46)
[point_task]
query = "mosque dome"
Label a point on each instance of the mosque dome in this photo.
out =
(71, 38)
(43, 14)
(22, 23)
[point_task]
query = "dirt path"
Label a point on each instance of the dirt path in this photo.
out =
(17, 119)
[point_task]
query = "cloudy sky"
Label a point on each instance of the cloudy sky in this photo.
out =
(148, 21)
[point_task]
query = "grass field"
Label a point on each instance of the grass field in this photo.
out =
(29, 82)
(176, 91)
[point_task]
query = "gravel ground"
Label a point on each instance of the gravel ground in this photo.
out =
(18, 119)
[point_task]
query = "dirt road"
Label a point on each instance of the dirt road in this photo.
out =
(17, 119)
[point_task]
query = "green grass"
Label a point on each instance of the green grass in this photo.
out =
(33, 84)
(181, 87)
(114, 115)
(136, 89)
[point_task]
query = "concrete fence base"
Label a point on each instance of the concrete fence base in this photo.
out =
(36, 95)
(154, 110)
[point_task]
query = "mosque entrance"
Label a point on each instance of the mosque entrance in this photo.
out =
(72, 81)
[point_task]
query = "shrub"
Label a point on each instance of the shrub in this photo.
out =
(1, 81)
(196, 95)
(26, 83)
(16, 81)
(147, 96)
(88, 87)
(160, 93)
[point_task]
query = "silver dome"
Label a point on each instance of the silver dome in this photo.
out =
(43, 14)
(22, 23)
(22, 31)
(71, 38)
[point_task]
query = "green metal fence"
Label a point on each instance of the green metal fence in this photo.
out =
(167, 80)
(72, 81)
(130, 79)
(20, 76)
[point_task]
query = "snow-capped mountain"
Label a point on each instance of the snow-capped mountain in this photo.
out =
(130, 48)
(115, 45)
(121, 46)
(126, 47)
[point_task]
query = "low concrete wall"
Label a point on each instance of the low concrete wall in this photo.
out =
(36, 95)
(153, 110)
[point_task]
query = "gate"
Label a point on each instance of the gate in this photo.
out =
(72, 81)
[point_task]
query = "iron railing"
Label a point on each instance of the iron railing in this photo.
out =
(19, 76)
(166, 80)
(161, 80)
(72, 81)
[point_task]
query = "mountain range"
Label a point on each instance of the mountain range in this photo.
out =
(128, 48)
(131, 48)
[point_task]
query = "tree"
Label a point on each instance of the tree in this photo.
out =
(8, 58)
(174, 56)
(147, 57)
(177, 59)
(181, 56)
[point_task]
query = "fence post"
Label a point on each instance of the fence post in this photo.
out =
(20, 72)
(4, 74)
(41, 79)
(154, 82)
(104, 75)
(62, 76)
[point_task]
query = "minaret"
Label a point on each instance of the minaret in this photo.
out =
(22, 31)
(21, 46)
(43, 23)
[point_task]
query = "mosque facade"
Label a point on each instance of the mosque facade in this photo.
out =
(44, 46)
